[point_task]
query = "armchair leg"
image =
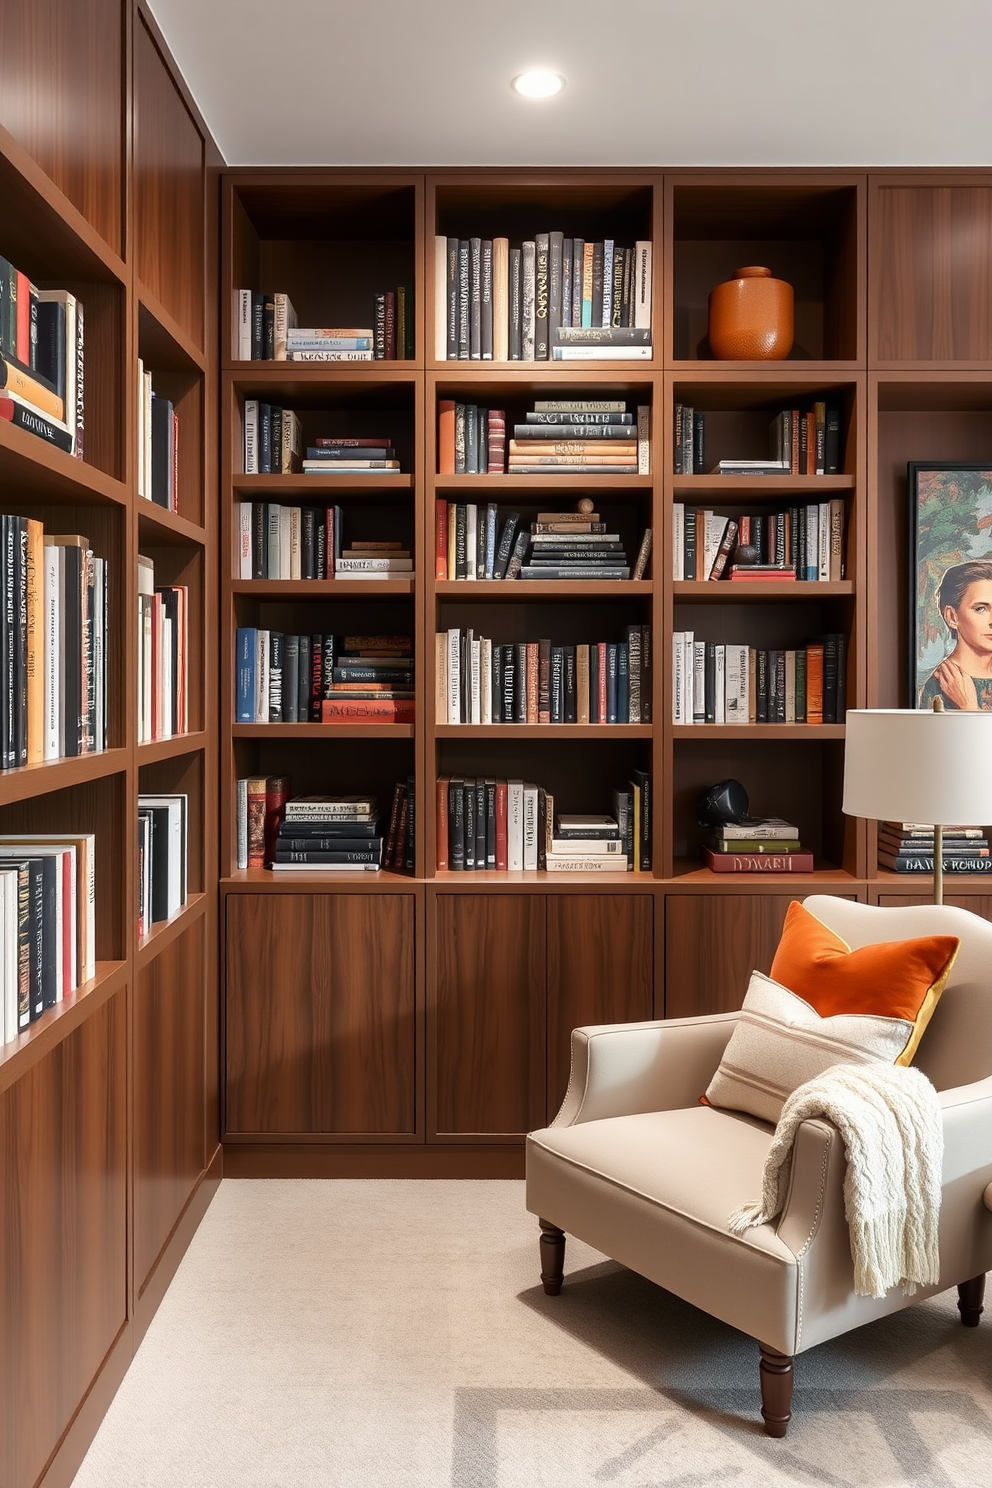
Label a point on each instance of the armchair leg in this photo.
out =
(776, 1390)
(552, 1257)
(970, 1296)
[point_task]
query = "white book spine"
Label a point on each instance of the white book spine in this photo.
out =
(687, 671)
(285, 569)
(471, 539)
(790, 686)
(262, 678)
(251, 435)
(642, 284)
(147, 439)
(284, 322)
(678, 541)
(699, 682)
(823, 532)
(244, 544)
(242, 824)
(99, 643)
(732, 683)
(486, 679)
(678, 676)
(273, 539)
(530, 828)
(149, 621)
(141, 428)
(476, 683)
(295, 560)
(606, 308)
(813, 538)
(454, 676)
(514, 825)
(527, 302)
(719, 684)
(440, 299)
(8, 952)
(141, 669)
(243, 324)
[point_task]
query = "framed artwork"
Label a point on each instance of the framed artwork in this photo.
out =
(950, 585)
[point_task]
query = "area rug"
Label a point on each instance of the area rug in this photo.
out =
(343, 1334)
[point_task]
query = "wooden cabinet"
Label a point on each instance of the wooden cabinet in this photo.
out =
(320, 1015)
(712, 944)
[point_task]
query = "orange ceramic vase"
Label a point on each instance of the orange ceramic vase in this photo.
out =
(751, 317)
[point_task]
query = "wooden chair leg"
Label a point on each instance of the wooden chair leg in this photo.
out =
(970, 1296)
(776, 1390)
(552, 1257)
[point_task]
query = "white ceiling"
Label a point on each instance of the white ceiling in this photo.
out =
(649, 82)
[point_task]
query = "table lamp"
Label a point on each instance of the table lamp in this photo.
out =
(913, 765)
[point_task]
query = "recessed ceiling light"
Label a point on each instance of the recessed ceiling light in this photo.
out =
(540, 82)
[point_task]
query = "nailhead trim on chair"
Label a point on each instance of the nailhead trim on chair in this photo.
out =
(808, 1242)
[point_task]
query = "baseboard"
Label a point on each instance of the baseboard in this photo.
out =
(175, 1247)
(268, 1161)
(65, 1461)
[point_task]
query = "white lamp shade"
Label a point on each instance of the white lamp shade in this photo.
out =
(901, 764)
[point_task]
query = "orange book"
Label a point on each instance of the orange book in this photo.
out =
(440, 539)
(532, 681)
(446, 436)
(32, 391)
(442, 822)
(814, 683)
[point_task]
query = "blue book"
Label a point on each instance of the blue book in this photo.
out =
(611, 682)
(623, 684)
(247, 643)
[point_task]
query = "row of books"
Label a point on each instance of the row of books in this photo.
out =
(908, 847)
(158, 444)
(551, 297)
(268, 330)
(323, 678)
(47, 923)
(717, 682)
(801, 442)
(305, 542)
(510, 826)
(162, 858)
(759, 845)
(41, 360)
(329, 833)
(163, 656)
(802, 542)
(273, 439)
(471, 440)
(53, 645)
(481, 681)
(474, 542)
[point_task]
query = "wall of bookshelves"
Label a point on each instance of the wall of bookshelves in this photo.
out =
(109, 1097)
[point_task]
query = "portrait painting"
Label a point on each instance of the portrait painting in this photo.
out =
(950, 551)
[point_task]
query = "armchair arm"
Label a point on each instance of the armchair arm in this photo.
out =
(622, 1069)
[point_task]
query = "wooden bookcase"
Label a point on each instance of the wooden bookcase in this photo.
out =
(109, 1102)
(455, 992)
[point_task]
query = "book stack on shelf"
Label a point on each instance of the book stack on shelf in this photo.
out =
(559, 445)
(273, 439)
(908, 847)
(800, 442)
(716, 682)
(382, 559)
(47, 924)
(269, 330)
(483, 681)
(471, 440)
(473, 542)
(163, 652)
(758, 845)
(548, 298)
(162, 858)
(323, 678)
(619, 843)
(330, 344)
(41, 360)
(372, 454)
(802, 542)
(339, 834)
(158, 445)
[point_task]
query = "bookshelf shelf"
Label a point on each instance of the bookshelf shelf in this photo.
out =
(165, 932)
(58, 1022)
(278, 486)
(252, 880)
(311, 382)
(164, 343)
(733, 488)
(38, 472)
(541, 882)
(524, 590)
(323, 588)
(325, 731)
(504, 486)
(781, 731)
(154, 750)
(726, 592)
(546, 731)
(61, 774)
(158, 527)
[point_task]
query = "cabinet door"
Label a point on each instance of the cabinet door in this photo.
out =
(320, 1014)
(489, 1014)
(600, 970)
(712, 944)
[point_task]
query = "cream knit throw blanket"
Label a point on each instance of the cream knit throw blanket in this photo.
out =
(889, 1119)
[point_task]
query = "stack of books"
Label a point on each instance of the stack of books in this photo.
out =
(907, 847)
(162, 857)
(273, 439)
(323, 678)
(470, 440)
(158, 445)
(576, 545)
(586, 843)
(163, 650)
(373, 560)
(718, 682)
(758, 845)
(329, 344)
(556, 440)
(494, 302)
(474, 542)
(48, 920)
(369, 454)
(802, 542)
(340, 833)
(268, 330)
(41, 360)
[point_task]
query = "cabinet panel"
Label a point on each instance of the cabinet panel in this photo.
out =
(320, 1014)
(489, 1015)
(600, 970)
(63, 1235)
(712, 944)
(168, 1092)
(979, 904)
(932, 264)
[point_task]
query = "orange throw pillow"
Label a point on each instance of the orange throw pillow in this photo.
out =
(894, 979)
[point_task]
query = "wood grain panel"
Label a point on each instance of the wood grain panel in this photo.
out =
(63, 1279)
(168, 190)
(600, 970)
(489, 1015)
(320, 1014)
(932, 266)
(713, 943)
(168, 1093)
(62, 99)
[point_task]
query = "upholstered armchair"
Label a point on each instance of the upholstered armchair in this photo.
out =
(636, 1167)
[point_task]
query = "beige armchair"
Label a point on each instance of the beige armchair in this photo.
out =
(633, 1165)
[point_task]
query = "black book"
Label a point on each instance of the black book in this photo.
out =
(642, 779)
(830, 659)
(778, 685)
(161, 847)
(509, 671)
(328, 836)
(161, 449)
(541, 296)
(557, 684)
(291, 679)
(647, 674)
(761, 688)
(469, 796)
(626, 318)
(264, 440)
(257, 327)
(461, 539)
(464, 300)
(36, 934)
(593, 683)
(268, 328)
(486, 296)
(411, 799)
(480, 825)
(275, 439)
(51, 929)
(25, 983)
(451, 286)
(623, 683)
(359, 856)
(475, 290)
(709, 683)
(490, 823)
(566, 282)
(689, 542)
(598, 252)
(616, 290)
(456, 824)
(496, 680)
(841, 640)
(259, 540)
(379, 328)
(471, 439)
(569, 689)
(520, 546)
(831, 442)
(520, 683)
(26, 417)
(276, 640)
(307, 570)
(514, 293)
(612, 664)
(555, 274)
(303, 685)
(698, 443)
(504, 547)
(320, 545)
(170, 603)
(50, 349)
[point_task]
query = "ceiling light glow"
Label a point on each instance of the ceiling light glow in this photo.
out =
(540, 82)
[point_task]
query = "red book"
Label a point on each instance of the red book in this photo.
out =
(329, 544)
(501, 852)
(601, 680)
(399, 791)
(745, 862)
(372, 710)
(440, 539)
(814, 683)
(257, 790)
(276, 796)
(375, 441)
(442, 822)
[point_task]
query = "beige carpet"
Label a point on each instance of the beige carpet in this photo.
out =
(343, 1334)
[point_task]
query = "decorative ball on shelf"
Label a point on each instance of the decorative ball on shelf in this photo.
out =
(746, 554)
(726, 801)
(585, 505)
(751, 317)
